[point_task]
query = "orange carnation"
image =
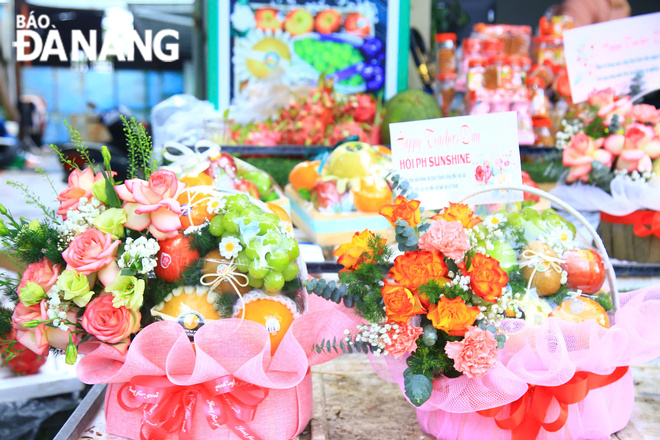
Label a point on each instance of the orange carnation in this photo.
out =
(487, 278)
(413, 269)
(400, 303)
(458, 212)
(452, 316)
(352, 254)
(403, 209)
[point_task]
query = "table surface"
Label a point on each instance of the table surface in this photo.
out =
(352, 403)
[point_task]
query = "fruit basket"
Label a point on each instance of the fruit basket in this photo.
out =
(204, 164)
(188, 301)
(497, 327)
(330, 205)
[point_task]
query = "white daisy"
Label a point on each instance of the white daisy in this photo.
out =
(493, 221)
(214, 206)
(230, 247)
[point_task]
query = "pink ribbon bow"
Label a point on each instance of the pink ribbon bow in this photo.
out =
(168, 408)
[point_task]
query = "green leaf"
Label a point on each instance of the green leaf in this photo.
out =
(418, 388)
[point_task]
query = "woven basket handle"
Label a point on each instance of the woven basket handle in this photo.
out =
(609, 270)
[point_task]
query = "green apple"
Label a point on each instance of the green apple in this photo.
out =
(260, 179)
(504, 253)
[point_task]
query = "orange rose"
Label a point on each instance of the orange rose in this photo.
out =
(352, 254)
(403, 209)
(413, 269)
(452, 316)
(400, 303)
(458, 212)
(487, 278)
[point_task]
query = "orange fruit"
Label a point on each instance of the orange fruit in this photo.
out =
(194, 206)
(279, 211)
(582, 309)
(273, 315)
(200, 179)
(305, 175)
(372, 194)
(383, 150)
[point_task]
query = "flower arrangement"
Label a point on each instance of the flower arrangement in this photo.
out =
(442, 304)
(106, 262)
(611, 137)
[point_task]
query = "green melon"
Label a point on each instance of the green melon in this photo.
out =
(410, 105)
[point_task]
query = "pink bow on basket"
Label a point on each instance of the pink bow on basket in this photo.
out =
(168, 408)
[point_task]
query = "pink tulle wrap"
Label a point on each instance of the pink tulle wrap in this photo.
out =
(235, 347)
(548, 356)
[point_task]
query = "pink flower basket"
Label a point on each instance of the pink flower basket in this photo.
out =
(562, 366)
(224, 386)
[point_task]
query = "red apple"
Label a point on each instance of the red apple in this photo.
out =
(327, 22)
(585, 268)
(266, 19)
(357, 24)
(298, 22)
(247, 187)
(225, 162)
(325, 194)
(174, 256)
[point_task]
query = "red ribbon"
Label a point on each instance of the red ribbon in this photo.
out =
(644, 223)
(168, 408)
(527, 414)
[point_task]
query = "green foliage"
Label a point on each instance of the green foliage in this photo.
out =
(600, 176)
(406, 236)
(418, 388)
(559, 297)
(595, 128)
(33, 241)
(605, 300)
(347, 345)
(203, 241)
(544, 169)
(141, 159)
(434, 290)
(9, 288)
(360, 287)
(431, 360)
(637, 83)
(402, 187)
(5, 321)
(224, 305)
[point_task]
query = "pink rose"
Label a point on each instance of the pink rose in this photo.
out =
(578, 155)
(475, 354)
(93, 251)
(405, 341)
(153, 203)
(601, 98)
(619, 107)
(109, 323)
(614, 143)
(644, 113)
(80, 185)
(42, 272)
(447, 237)
(641, 145)
(40, 337)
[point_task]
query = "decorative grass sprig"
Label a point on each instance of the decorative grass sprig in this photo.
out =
(140, 149)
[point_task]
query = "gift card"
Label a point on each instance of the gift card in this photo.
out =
(447, 159)
(610, 54)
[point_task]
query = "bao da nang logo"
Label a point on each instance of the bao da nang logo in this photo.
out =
(31, 45)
